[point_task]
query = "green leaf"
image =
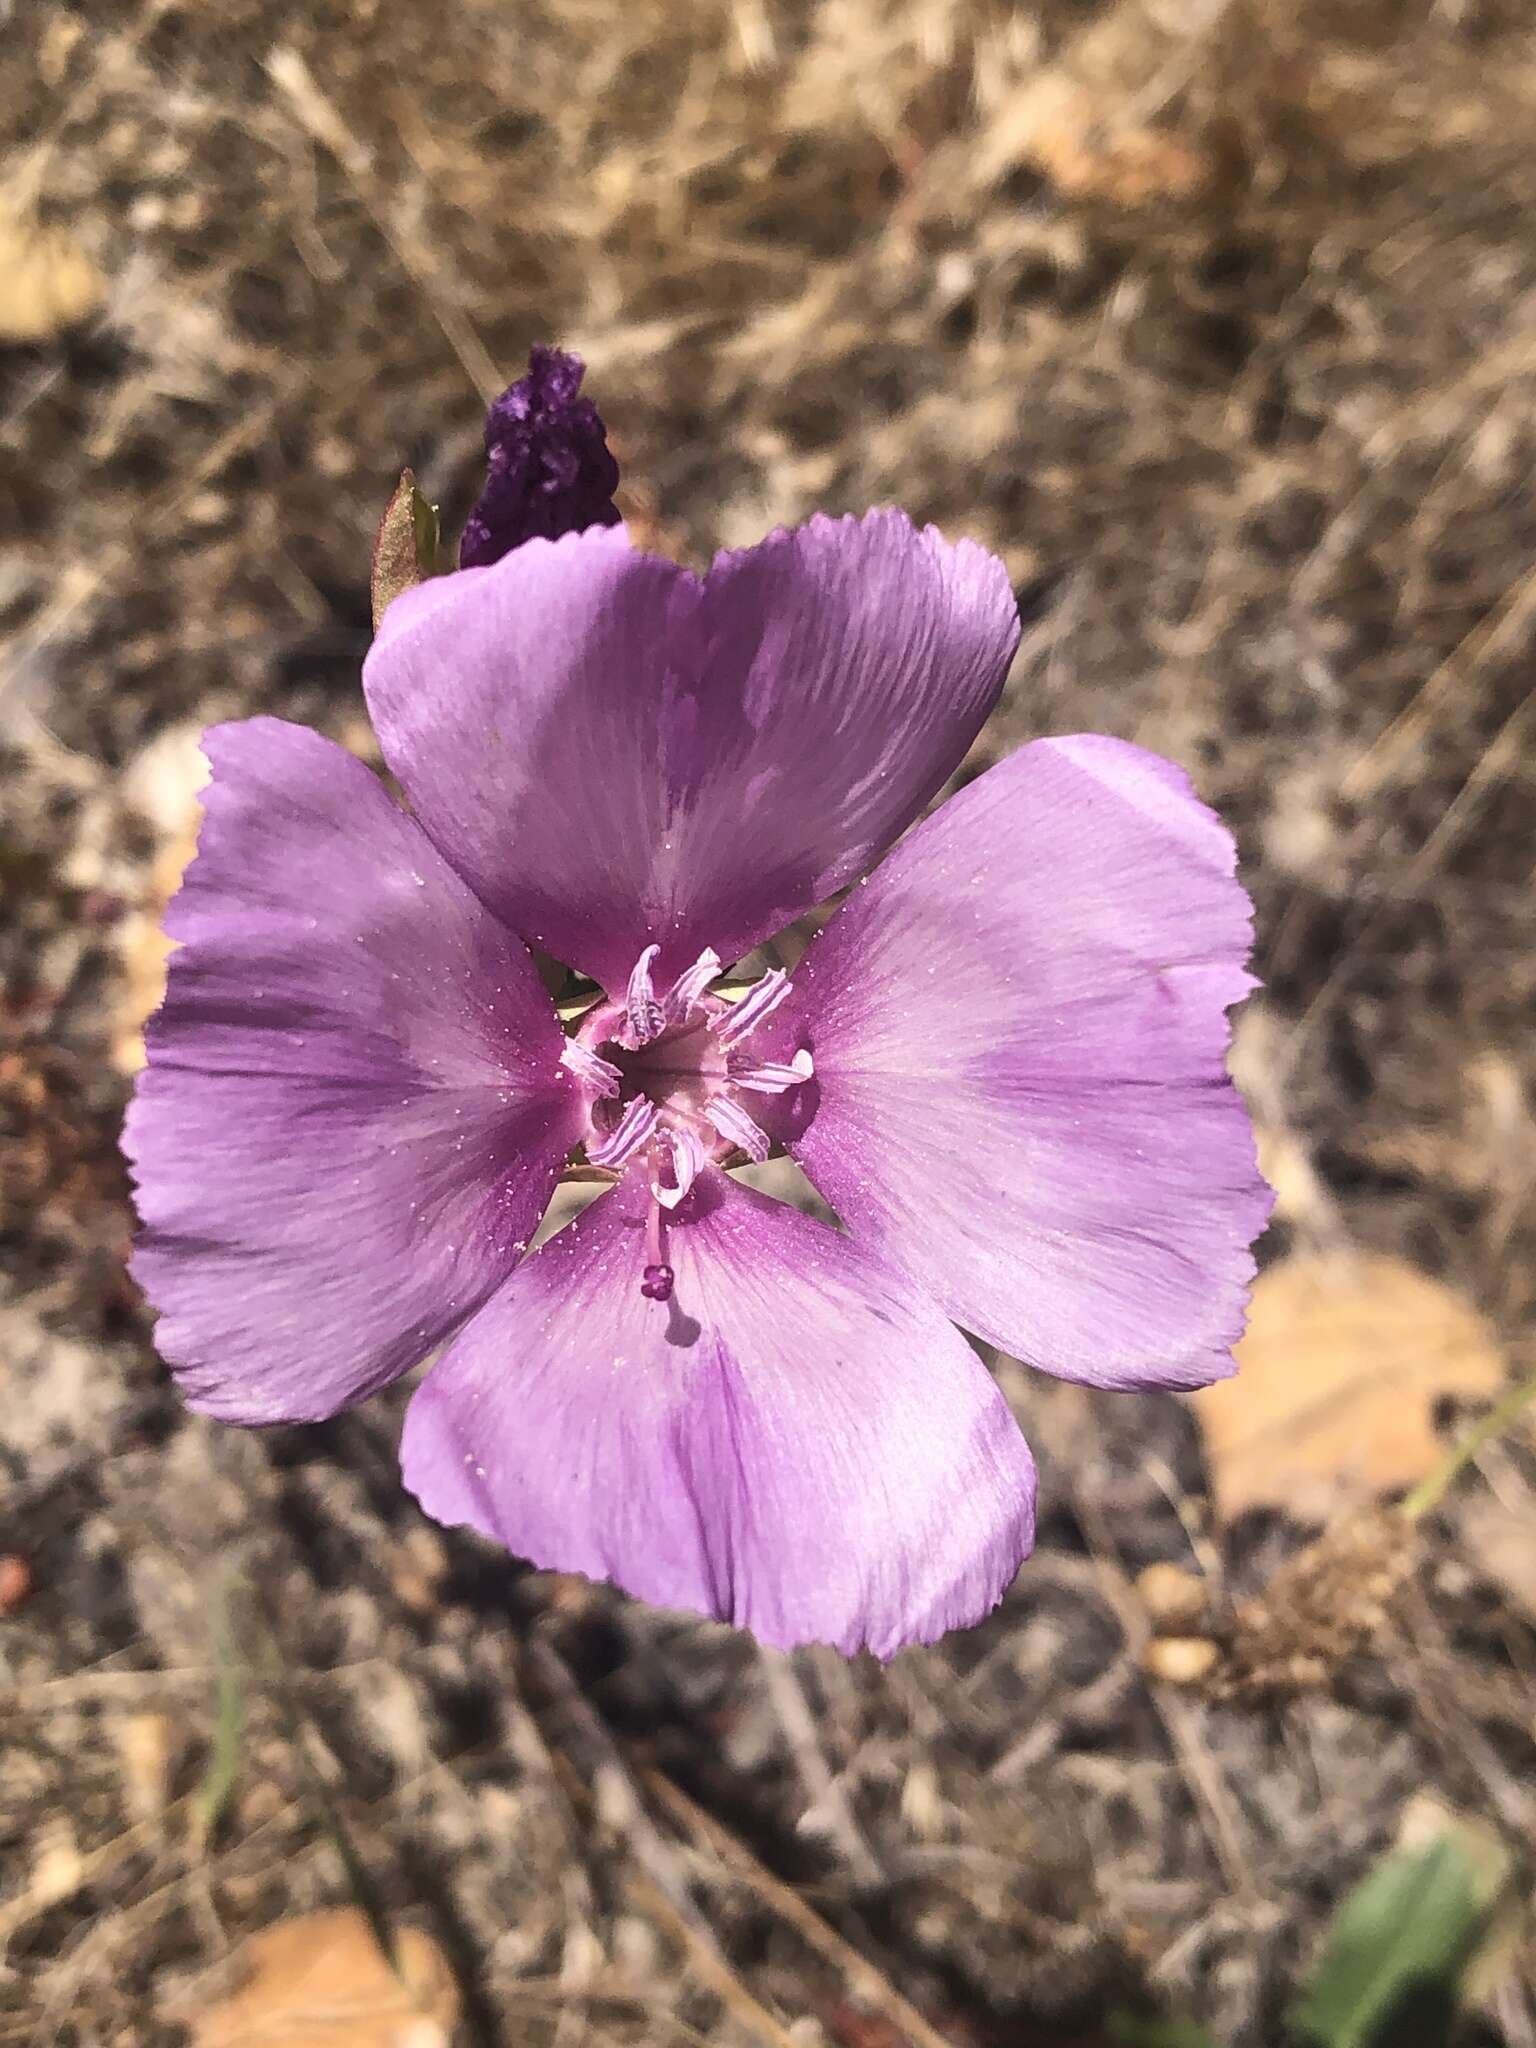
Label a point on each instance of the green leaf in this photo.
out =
(1401, 1944)
(1162, 2032)
(405, 552)
(222, 1774)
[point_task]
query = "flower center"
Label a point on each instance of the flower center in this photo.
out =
(664, 1077)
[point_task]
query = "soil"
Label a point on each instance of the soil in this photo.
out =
(1216, 323)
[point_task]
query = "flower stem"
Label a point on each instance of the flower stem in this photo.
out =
(1429, 1493)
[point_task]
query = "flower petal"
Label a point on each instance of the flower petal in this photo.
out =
(1019, 1029)
(614, 752)
(795, 1442)
(353, 1112)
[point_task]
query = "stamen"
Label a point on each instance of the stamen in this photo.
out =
(627, 1135)
(760, 1001)
(685, 1155)
(646, 1017)
(772, 1078)
(733, 1124)
(591, 1069)
(691, 984)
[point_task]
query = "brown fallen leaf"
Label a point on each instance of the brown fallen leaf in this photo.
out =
(47, 282)
(1344, 1360)
(1082, 119)
(321, 1982)
(1089, 152)
(164, 783)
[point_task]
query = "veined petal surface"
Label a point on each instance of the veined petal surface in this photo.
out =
(797, 1441)
(615, 752)
(1019, 1032)
(353, 1112)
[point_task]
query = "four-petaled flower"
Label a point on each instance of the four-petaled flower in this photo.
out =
(1002, 1063)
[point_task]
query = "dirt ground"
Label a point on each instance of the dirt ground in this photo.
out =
(1216, 320)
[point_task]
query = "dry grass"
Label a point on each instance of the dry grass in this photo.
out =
(1216, 320)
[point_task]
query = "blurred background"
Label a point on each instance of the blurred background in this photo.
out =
(1217, 320)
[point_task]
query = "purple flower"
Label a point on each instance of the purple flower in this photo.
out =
(548, 469)
(1002, 1063)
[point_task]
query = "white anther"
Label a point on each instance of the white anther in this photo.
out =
(734, 1125)
(591, 1069)
(690, 985)
(627, 1135)
(685, 1156)
(773, 1077)
(645, 1019)
(760, 1001)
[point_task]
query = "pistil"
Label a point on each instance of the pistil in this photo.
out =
(657, 1278)
(664, 1075)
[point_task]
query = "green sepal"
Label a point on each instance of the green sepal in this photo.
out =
(406, 551)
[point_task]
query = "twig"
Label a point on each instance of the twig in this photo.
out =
(662, 1883)
(710, 1966)
(603, 1773)
(786, 1695)
(322, 122)
(864, 1980)
(15, 1913)
(1214, 1799)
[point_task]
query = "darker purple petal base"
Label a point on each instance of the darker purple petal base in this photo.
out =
(548, 469)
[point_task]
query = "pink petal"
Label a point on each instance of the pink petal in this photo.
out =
(1019, 1032)
(354, 1111)
(796, 1442)
(614, 752)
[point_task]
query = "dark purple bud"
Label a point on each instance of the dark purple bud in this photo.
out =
(548, 469)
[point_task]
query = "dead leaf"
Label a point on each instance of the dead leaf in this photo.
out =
(1089, 152)
(1078, 119)
(1339, 1373)
(322, 1982)
(163, 782)
(47, 282)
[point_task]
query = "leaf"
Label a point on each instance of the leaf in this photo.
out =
(1338, 1377)
(1163, 2032)
(223, 1772)
(163, 782)
(405, 551)
(1403, 1940)
(47, 282)
(321, 1982)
